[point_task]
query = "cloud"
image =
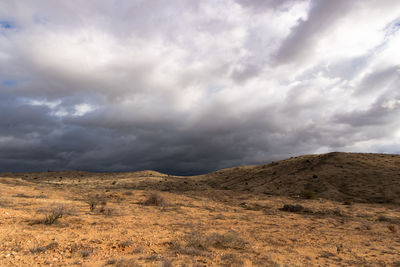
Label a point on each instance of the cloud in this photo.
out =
(302, 40)
(194, 86)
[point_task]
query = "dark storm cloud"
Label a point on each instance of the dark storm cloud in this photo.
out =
(192, 86)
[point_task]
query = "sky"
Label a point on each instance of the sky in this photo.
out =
(188, 87)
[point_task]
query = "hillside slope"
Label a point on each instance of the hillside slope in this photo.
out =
(337, 176)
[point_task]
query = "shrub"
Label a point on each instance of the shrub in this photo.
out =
(392, 228)
(122, 262)
(94, 200)
(156, 199)
(195, 240)
(230, 239)
(125, 244)
(54, 215)
(232, 260)
(165, 263)
(41, 249)
(38, 249)
(383, 218)
(107, 211)
(22, 195)
(85, 252)
(308, 194)
(51, 216)
(292, 208)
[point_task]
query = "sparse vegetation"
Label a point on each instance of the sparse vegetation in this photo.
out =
(231, 259)
(122, 262)
(292, 208)
(41, 249)
(155, 199)
(392, 228)
(94, 200)
(126, 243)
(85, 252)
(22, 195)
(231, 240)
(165, 263)
(52, 215)
(308, 194)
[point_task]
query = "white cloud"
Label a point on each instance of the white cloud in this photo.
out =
(82, 109)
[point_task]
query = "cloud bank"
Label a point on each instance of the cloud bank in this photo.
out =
(192, 86)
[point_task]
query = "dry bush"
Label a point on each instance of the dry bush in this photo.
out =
(5, 203)
(128, 193)
(230, 239)
(156, 199)
(126, 243)
(165, 263)
(292, 208)
(266, 260)
(197, 242)
(308, 194)
(38, 249)
(22, 195)
(41, 249)
(108, 211)
(392, 228)
(231, 259)
(86, 252)
(326, 254)
(383, 218)
(122, 262)
(94, 200)
(52, 215)
(193, 245)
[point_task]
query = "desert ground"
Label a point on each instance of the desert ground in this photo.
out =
(336, 209)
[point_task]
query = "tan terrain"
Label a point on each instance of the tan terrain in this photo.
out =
(316, 210)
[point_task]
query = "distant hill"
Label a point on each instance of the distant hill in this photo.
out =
(357, 177)
(338, 176)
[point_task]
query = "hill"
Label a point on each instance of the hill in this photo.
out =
(356, 177)
(337, 176)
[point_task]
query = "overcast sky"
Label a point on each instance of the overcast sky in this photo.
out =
(190, 86)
